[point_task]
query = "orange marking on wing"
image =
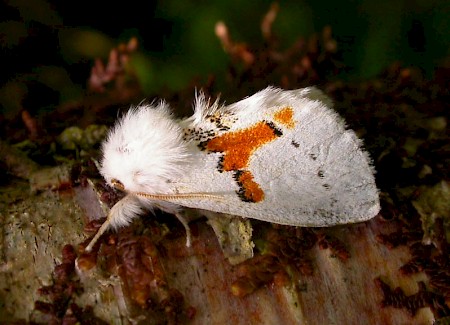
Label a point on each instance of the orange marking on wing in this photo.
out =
(249, 189)
(238, 146)
(285, 117)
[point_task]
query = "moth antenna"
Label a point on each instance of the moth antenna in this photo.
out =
(100, 232)
(179, 196)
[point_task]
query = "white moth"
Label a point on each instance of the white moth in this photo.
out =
(278, 156)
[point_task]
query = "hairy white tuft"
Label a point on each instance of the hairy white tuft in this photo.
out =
(124, 211)
(145, 150)
(204, 107)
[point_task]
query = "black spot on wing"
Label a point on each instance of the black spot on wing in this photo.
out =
(275, 130)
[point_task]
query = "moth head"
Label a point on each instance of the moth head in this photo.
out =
(117, 184)
(144, 151)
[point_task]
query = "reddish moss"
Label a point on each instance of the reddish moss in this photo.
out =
(281, 249)
(396, 298)
(87, 261)
(335, 245)
(61, 309)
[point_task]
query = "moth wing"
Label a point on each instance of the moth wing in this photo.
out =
(311, 172)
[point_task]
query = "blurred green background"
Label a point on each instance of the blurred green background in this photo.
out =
(53, 43)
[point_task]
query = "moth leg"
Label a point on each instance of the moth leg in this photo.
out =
(120, 215)
(184, 215)
(99, 233)
(185, 222)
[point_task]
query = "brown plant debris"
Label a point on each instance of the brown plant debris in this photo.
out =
(282, 249)
(435, 266)
(114, 71)
(306, 62)
(16, 162)
(396, 298)
(268, 20)
(398, 238)
(238, 51)
(430, 259)
(59, 307)
(336, 247)
(31, 124)
(137, 260)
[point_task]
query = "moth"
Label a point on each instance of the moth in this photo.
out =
(282, 156)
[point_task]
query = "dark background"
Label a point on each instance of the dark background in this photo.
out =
(48, 47)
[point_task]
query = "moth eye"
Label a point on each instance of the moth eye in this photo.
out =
(117, 184)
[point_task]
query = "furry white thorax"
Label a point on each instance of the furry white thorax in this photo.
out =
(145, 150)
